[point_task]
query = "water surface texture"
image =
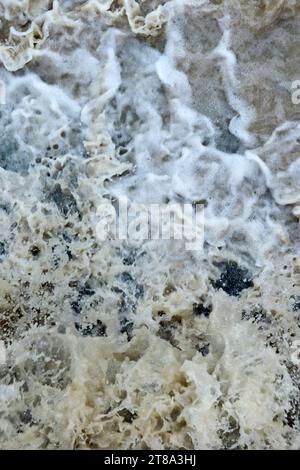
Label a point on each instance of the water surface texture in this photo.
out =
(142, 344)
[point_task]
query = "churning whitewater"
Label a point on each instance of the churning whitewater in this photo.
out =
(143, 344)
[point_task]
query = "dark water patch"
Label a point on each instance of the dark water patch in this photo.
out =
(64, 200)
(233, 279)
(12, 158)
(202, 309)
(94, 330)
(127, 327)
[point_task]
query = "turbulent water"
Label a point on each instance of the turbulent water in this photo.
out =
(143, 344)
